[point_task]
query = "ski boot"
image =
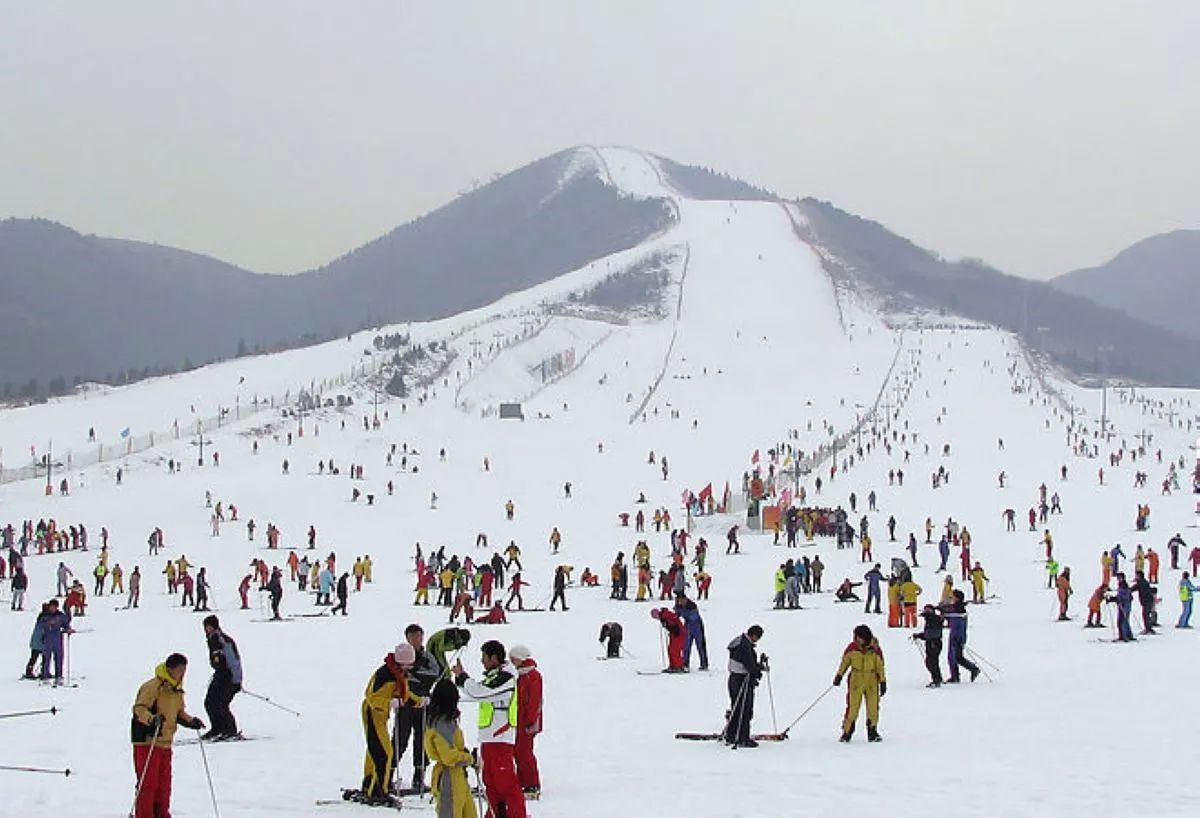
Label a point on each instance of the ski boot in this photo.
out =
(873, 734)
(846, 734)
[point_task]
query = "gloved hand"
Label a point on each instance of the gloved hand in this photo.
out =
(197, 723)
(837, 681)
(155, 726)
(882, 689)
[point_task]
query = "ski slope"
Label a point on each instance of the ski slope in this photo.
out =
(752, 347)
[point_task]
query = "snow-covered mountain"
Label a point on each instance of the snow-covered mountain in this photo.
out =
(717, 341)
(86, 308)
(1156, 280)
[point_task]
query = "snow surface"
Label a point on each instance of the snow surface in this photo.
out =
(754, 348)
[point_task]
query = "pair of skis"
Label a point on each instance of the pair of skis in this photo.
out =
(721, 737)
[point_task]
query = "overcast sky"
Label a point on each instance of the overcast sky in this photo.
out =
(1039, 136)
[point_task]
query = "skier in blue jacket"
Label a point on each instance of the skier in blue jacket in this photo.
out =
(37, 641)
(55, 625)
(1117, 554)
(874, 578)
(956, 621)
(943, 552)
(690, 614)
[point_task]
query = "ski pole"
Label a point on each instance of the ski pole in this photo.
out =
(974, 654)
(480, 792)
(208, 774)
(271, 702)
(53, 711)
(137, 792)
(807, 710)
(735, 710)
(627, 653)
(12, 769)
(662, 644)
(771, 697)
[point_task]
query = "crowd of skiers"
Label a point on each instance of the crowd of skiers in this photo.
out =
(423, 684)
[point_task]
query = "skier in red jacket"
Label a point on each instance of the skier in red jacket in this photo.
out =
(529, 718)
(677, 633)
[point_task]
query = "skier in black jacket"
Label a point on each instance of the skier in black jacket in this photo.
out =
(745, 670)
(410, 718)
(1146, 594)
(932, 637)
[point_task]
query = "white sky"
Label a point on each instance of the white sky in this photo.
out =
(1040, 136)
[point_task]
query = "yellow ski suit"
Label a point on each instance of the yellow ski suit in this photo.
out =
(451, 759)
(865, 666)
(387, 683)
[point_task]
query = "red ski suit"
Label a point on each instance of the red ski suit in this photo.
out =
(529, 722)
(676, 630)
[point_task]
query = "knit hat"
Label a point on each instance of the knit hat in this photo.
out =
(518, 653)
(405, 655)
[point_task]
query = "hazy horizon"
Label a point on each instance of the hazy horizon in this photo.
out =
(278, 136)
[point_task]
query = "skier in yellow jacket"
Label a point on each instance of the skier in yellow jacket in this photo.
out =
(446, 747)
(389, 682)
(863, 658)
(978, 583)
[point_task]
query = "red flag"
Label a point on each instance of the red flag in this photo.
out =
(754, 457)
(706, 493)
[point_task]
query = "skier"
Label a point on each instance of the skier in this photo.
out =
(64, 577)
(555, 540)
(343, 594)
(157, 710)
(612, 634)
(201, 590)
(529, 719)
(956, 620)
(388, 683)
(978, 588)
(55, 626)
(1174, 546)
(135, 587)
(1187, 592)
(19, 585)
(37, 641)
(1094, 602)
(560, 588)
(745, 670)
(514, 592)
(411, 716)
(275, 589)
(845, 591)
(226, 682)
(909, 593)
(1063, 584)
(676, 629)
(931, 636)
(1146, 594)
(445, 641)
(443, 742)
(1124, 601)
(497, 695)
(863, 659)
(873, 577)
(689, 612)
(733, 546)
